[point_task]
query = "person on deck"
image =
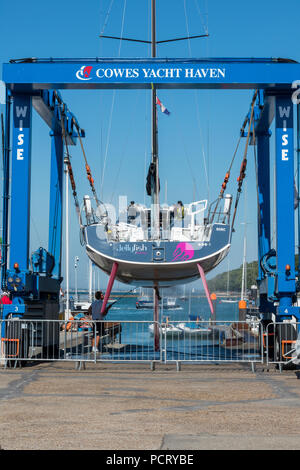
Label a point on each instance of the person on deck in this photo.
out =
(179, 210)
(132, 212)
(177, 214)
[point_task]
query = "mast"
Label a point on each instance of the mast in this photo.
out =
(155, 186)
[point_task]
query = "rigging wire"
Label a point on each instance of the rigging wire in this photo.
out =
(201, 138)
(112, 107)
(197, 103)
(205, 26)
(101, 33)
(125, 145)
(146, 108)
(106, 17)
(210, 97)
(187, 28)
(189, 162)
(146, 150)
(107, 142)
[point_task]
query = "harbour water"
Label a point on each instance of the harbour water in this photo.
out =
(125, 309)
(139, 342)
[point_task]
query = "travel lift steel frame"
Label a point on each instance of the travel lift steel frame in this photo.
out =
(35, 291)
(30, 81)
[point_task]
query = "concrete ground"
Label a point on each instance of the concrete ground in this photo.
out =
(122, 406)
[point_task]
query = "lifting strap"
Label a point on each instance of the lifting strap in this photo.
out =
(67, 161)
(227, 175)
(256, 176)
(87, 167)
(244, 162)
(69, 166)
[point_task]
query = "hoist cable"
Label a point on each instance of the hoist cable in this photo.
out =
(88, 169)
(227, 175)
(69, 166)
(68, 163)
(225, 182)
(256, 176)
(244, 162)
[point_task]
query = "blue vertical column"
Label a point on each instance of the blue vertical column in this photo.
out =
(56, 202)
(20, 184)
(285, 229)
(264, 217)
(298, 184)
(6, 188)
(263, 179)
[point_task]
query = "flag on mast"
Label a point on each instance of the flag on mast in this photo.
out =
(162, 107)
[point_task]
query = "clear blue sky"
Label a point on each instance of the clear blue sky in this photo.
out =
(202, 124)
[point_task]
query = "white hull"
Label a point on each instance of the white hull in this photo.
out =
(160, 274)
(189, 331)
(169, 330)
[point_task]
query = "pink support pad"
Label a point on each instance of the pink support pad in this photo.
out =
(201, 271)
(109, 286)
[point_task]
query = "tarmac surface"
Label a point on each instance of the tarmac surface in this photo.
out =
(53, 406)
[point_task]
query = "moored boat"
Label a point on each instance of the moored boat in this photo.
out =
(166, 303)
(167, 329)
(82, 306)
(228, 301)
(194, 329)
(239, 337)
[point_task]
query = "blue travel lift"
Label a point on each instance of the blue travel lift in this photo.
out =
(34, 280)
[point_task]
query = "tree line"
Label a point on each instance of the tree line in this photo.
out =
(219, 282)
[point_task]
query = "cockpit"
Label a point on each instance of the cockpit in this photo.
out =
(193, 222)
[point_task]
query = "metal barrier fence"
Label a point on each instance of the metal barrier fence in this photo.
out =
(130, 341)
(282, 343)
(76, 340)
(205, 341)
